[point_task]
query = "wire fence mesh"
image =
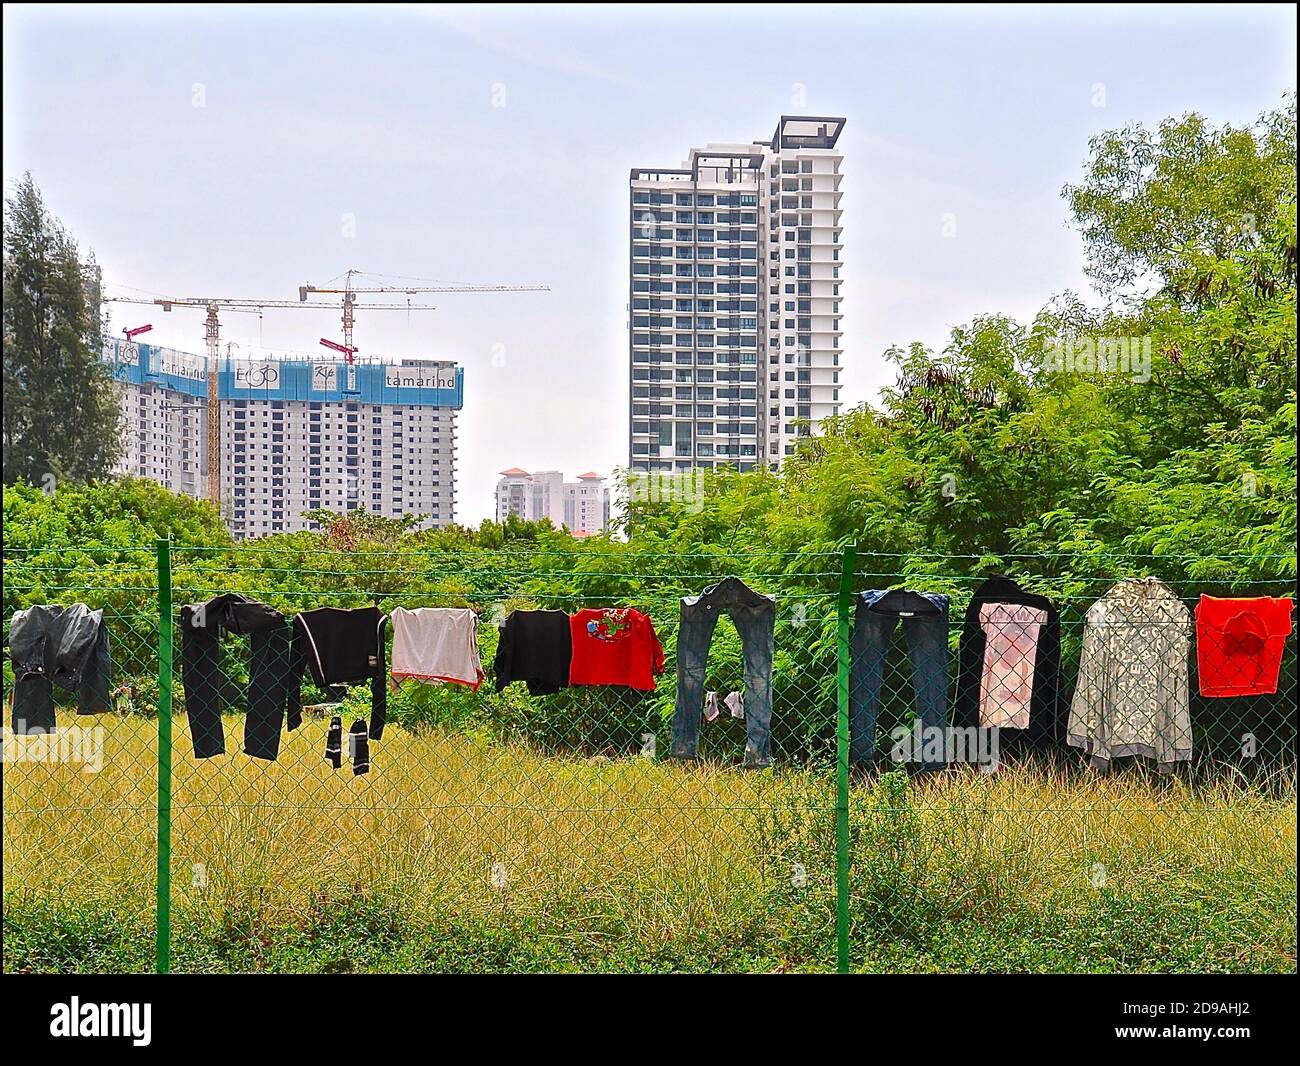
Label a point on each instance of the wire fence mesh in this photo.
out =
(678, 825)
(1137, 861)
(80, 790)
(489, 810)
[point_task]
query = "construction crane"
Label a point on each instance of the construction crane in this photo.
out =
(350, 291)
(212, 337)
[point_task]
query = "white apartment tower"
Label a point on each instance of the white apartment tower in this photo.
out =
(296, 435)
(582, 505)
(735, 295)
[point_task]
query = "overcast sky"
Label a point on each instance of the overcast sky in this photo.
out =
(242, 153)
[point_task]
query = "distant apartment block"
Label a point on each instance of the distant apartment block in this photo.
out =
(296, 435)
(582, 505)
(734, 299)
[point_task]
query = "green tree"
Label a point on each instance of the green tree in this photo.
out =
(61, 414)
(1151, 203)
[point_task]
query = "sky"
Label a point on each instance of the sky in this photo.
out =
(242, 152)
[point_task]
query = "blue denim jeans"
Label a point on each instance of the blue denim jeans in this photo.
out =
(755, 620)
(925, 625)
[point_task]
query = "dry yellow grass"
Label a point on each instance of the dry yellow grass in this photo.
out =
(451, 824)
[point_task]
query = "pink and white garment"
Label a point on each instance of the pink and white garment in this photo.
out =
(1010, 648)
(734, 702)
(437, 644)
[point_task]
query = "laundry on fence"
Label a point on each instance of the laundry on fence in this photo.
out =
(614, 646)
(334, 743)
(1009, 666)
(436, 644)
(1131, 697)
(924, 616)
(273, 697)
(53, 646)
(1239, 643)
(733, 701)
(359, 747)
(346, 647)
(754, 616)
(535, 647)
(1132, 693)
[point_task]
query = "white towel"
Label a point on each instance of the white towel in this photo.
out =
(436, 644)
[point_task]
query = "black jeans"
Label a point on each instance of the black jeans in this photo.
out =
(274, 675)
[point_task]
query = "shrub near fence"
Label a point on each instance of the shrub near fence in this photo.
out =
(504, 831)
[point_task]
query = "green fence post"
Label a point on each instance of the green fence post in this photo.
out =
(842, 762)
(163, 946)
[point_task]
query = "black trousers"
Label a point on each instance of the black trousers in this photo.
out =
(274, 681)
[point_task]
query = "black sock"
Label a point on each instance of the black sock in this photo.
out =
(359, 747)
(334, 743)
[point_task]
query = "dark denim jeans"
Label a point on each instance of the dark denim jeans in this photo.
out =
(925, 624)
(64, 647)
(755, 620)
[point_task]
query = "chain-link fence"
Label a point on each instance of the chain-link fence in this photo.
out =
(80, 789)
(843, 761)
(1141, 815)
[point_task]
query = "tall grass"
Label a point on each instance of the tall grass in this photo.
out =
(459, 853)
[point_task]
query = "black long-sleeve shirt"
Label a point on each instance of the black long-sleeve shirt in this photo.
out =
(346, 647)
(63, 646)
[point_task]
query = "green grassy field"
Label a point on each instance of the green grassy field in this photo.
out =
(459, 854)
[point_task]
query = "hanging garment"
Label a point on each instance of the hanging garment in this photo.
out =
(711, 706)
(273, 698)
(63, 646)
(735, 702)
(346, 647)
(359, 747)
(614, 646)
(1010, 647)
(1007, 680)
(925, 625)
(436, 644)
(535, 647)
(1132, 694)
(1239, 644)
(754, 616)
(334, 743)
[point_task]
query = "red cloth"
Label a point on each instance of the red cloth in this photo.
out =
(1239, 644)
(614, 646)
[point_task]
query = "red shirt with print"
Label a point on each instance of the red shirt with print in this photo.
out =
(614, 646)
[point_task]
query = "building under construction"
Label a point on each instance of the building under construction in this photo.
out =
(295, 434)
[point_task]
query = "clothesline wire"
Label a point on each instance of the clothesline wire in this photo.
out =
(542, 575)
(633, 575)
(672, 598)
(534, 574)
(739, 551)
(514, 592)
